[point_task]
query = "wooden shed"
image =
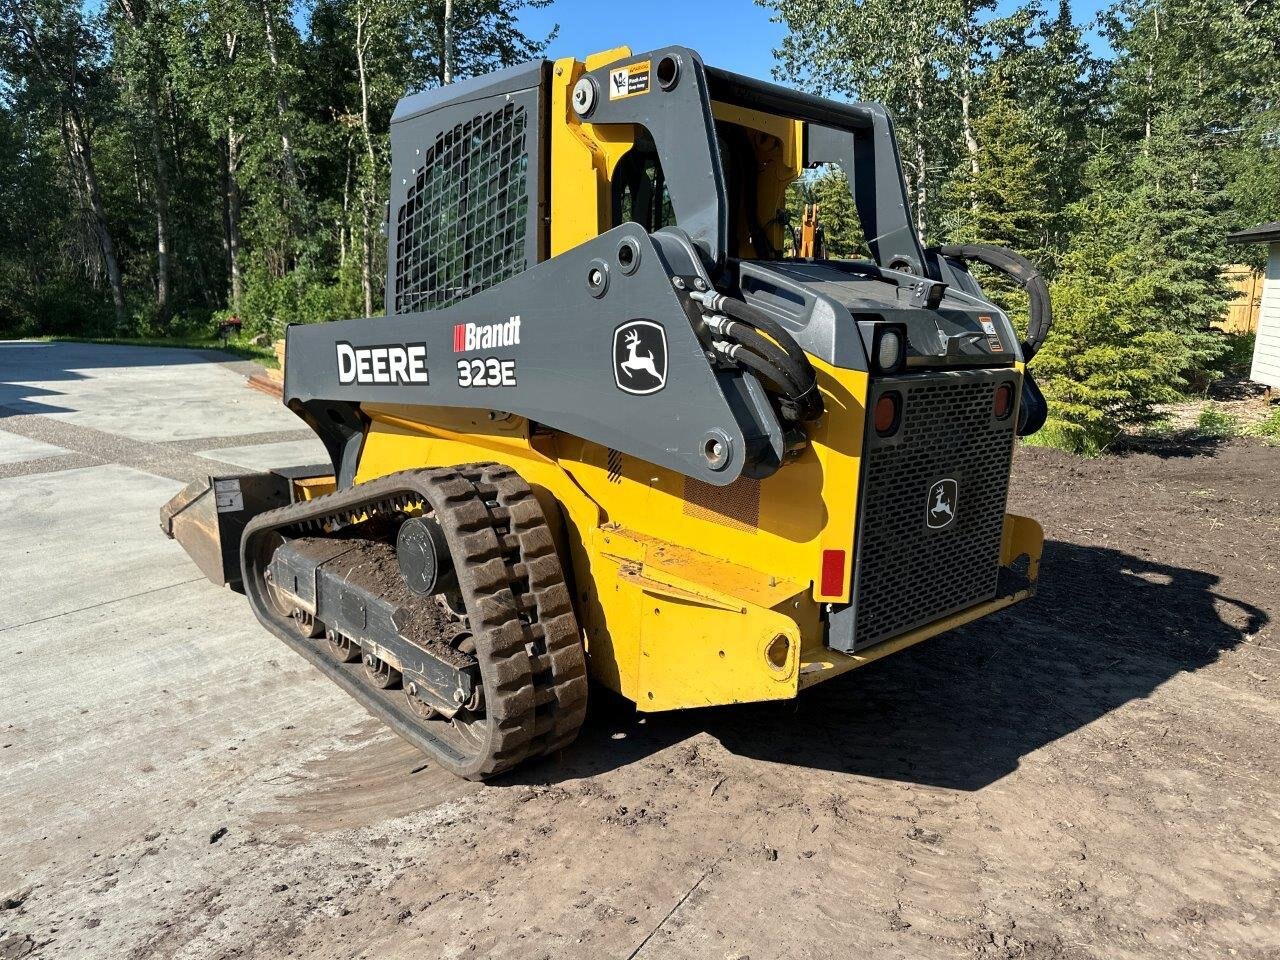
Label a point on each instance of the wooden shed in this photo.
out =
(1266, 351)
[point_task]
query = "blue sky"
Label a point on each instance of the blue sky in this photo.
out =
(730, 34)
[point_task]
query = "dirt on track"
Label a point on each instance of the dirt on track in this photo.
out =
(1092, 774)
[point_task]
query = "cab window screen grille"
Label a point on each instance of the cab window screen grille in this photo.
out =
(461, 228)
(907, 574)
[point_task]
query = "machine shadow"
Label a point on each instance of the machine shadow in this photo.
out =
(960, 710)
(26, 363)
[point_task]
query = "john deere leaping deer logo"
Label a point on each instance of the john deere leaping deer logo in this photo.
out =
(640, 357)
(941, 508)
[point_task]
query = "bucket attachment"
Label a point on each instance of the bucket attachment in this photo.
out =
(209, 515)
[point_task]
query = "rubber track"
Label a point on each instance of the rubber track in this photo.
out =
(520, 611)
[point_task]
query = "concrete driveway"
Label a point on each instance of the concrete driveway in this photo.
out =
(136, 696)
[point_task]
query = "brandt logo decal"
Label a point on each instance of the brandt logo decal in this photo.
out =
(640, 357)
(486, 336)
(941, 510)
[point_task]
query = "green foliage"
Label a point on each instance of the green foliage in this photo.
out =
(1214, 422)
(1003, 198)
(1268, 430)
(1178, 225)
(1252, 172)
(1237, 354)
(1113, 354)
(245, 131)
(1059, 88)
(303, 295)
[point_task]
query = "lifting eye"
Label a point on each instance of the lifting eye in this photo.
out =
(668, 72)
(1002, 404)
(888, 413)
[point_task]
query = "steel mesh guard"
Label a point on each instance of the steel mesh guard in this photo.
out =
(736, 506)
(907, 574)
(461, 228)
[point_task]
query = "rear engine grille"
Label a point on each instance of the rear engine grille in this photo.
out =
(909, 573)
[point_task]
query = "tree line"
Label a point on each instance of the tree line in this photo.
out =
(163, 162)
(1119, 173)
(167, 162)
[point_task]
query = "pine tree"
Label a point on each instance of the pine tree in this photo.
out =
(1004, 201)
(1253, 179)
(1101, 368)
(1003, 198)
(1138, 288)
(1179, 230)
(1057, 84)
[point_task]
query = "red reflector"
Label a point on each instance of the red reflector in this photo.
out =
(886, 415)
(1003, 401)
(832, 572)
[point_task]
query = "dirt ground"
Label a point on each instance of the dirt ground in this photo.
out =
(1093, 774)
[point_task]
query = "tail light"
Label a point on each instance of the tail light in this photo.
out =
(1002, 403)
(888, 413)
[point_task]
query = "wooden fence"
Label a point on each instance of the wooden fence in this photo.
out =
(1242, 314)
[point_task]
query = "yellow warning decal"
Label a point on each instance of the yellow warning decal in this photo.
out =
(629, 81)
(993, 338)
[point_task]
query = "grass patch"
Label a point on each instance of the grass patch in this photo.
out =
(236, 347)
(1078, 442)
(1214, 422)
(1166, 428)
(1268, 430)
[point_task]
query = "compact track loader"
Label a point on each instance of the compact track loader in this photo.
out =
(606, 427)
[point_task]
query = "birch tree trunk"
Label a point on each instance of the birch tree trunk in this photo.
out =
(921, 151)
(447, 55)
(1149, 106)
(81, 159)
(366, 189)
(344, 223)
(143, 31)
(282, 104)
(230, 163)
(164, 304)
(966, 102)
(231, 188)
(967, 44)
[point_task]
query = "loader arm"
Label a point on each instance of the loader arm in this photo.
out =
(594, 342)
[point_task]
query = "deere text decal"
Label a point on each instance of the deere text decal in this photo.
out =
(391, 363)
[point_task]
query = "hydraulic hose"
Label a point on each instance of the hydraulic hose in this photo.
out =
(745, 325)
(1019, 268)
(741, 310)
(739, 332)
(760, 366)
(773, 365)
